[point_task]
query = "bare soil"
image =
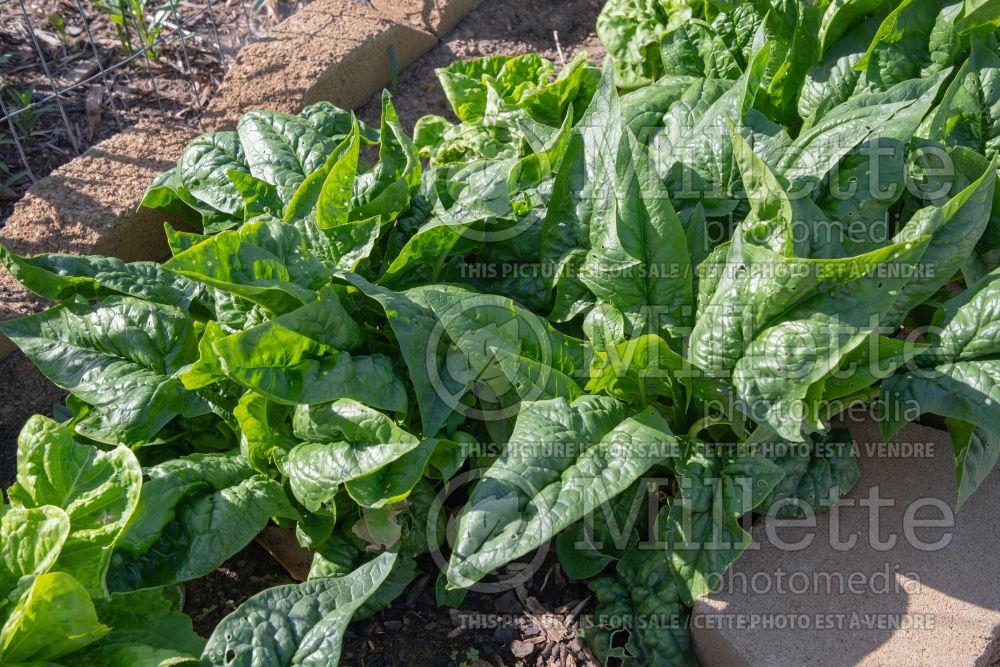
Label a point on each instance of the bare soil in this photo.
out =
(35, 395)
(210, 599)
(534, 625)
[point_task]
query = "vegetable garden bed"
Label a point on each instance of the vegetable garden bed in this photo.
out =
(455, 358)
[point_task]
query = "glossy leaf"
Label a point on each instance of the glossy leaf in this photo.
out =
(53, 617)
(193, 514)
(526, 497)
(298, 623)
(98, 490)
(122, 356)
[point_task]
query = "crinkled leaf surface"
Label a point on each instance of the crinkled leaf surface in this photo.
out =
(121, 356)
(98, 490)
(194, 513)
(533, 491)
(344, 441)
(703, 531)
(299, 623)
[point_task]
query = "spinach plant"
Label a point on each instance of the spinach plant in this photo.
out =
(588, 292)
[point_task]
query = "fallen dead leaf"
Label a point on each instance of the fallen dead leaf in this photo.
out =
(281, 543)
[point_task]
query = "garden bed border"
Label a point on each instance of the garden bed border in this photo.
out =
(342, 51)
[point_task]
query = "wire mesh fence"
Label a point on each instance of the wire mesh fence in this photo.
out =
(73, 72)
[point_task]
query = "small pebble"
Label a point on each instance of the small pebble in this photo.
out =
(521, 649)
(507, 603)
(505, 633)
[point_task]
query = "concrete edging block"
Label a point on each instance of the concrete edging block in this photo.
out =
(909, 604)
(334, 50)
(90, 206)
(434, 16)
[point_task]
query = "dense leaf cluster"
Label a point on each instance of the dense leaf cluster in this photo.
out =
(517, 319)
